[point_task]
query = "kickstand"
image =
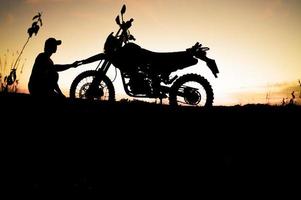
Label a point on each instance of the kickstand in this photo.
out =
(160, 100)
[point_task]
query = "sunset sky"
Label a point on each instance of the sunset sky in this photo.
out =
(256, 43)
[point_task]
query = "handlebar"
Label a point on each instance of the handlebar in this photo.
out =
(126, 25)
(123, 32)
(205, 48)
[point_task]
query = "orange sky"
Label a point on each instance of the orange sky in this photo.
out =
(256, 43)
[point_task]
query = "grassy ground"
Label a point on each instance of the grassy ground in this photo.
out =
(145, 150)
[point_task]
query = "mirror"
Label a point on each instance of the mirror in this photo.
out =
(123, 9)
(117, 20)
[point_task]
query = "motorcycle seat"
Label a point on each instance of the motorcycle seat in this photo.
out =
(170, 60)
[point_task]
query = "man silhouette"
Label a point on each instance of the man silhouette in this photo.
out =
(44, 77)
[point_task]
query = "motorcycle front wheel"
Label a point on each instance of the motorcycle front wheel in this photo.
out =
(191, 90)
(103, 91)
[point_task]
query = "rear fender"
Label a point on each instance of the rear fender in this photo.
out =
(212, 65)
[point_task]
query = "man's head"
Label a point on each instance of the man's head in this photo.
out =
(51, 45)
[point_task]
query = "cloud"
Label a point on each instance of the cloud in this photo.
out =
(84, 15)
(271, 93)
(45, 1)
(284, 90)
(273, 8)
(284, 86)
(7, 18)
(32, 1)
(290, 88)
(58, 1)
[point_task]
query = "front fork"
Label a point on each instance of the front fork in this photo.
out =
(94, 89)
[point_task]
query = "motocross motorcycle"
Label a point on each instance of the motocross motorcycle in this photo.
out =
(145, 74)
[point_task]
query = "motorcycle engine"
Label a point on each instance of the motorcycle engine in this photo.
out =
(140, 84)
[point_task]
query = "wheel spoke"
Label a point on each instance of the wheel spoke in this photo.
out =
(191, 90)
(80, 88)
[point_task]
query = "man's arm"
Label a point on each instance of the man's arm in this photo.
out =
(59, 68)
(95, 58)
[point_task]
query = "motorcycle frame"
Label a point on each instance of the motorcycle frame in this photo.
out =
(104, 68)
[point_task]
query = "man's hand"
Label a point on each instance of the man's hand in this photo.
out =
(76, 64)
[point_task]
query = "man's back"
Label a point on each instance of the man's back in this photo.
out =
(43, 75)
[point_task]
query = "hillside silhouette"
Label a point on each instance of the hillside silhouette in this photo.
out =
(82, 147)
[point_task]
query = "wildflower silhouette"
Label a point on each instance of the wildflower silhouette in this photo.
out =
(300, 89)
(34, 29)
(292, 101)
(23, 66)
(283, 102)
(0, 74)
(8, 83)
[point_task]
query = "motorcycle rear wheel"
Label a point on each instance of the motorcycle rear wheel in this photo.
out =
(104, 92)
(191, 90)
